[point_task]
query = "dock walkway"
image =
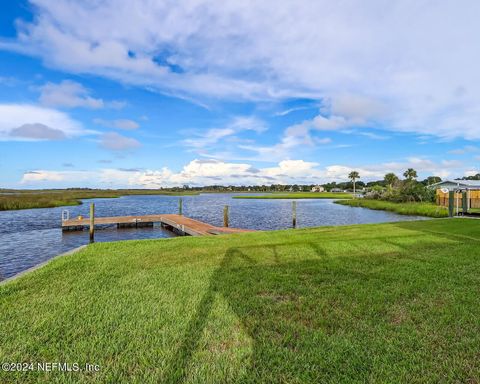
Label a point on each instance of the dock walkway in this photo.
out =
(177, 223)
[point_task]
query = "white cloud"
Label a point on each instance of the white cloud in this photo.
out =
(294, 137)
(116, 142)
(209, 172)
(70, 94)
(214, 135)
(197, 172)
(290, 110)
(29, 122)
(471, 172)
(32, 177)
(464, 150)
(125, 124)
(374, 62)
(423, 166)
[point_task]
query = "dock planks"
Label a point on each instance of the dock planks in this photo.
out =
(178, 223)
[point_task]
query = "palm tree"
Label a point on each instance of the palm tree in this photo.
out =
(354, 175)
(410, 174)
(390, 179)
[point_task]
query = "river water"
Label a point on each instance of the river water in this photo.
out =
(29, 237)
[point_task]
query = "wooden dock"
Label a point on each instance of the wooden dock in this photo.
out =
(176, 223)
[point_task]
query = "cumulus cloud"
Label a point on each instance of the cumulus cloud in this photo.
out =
(386, 64)
(197, 172)
(209, 171)
(29, 122)
(70, 94)
(125, 124)
(116, 142)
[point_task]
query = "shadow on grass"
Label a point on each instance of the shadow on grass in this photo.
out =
(309, 320)
(249, 288)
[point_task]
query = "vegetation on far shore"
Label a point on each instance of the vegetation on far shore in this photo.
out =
(403, 208)
(27, 199)
(376, 303)
(405, 197)
(299, 195)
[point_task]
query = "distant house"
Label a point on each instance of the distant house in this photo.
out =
(318, 188)
(337, 190)
(456, 184)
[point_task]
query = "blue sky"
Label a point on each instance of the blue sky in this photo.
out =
(122, 94)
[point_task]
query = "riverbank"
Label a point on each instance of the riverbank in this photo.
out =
(412, 209)
(16, 199)
(377, 303)
(299, 195)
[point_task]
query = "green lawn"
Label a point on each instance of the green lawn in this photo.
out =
(385, 303)
(415, 209)
(298, 195)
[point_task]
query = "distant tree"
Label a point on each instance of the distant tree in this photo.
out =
(432, 180)
(410, 174)
(390, 179)
(354, 175)
(474, 177)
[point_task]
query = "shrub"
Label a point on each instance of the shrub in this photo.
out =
(403, 191)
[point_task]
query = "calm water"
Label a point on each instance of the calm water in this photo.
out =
(29, 237)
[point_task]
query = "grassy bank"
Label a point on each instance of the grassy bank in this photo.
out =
(394, 302)
(298, 195)
(57, 198)
(415, 209)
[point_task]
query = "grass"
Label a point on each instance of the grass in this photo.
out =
(383, 303)
(298, 195)
(57, 198)
(415, 209)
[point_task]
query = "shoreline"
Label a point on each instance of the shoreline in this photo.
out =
(42, 264)
(408, 209)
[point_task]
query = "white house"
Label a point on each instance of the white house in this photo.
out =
(318, 188)
(456, 184)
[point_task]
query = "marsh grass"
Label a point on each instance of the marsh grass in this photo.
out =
(57, 198)
(414, 209)
(379, 303)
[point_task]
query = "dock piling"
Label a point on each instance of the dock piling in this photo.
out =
(294, 214)
(225, 216)
(92, 222)
(180, 206)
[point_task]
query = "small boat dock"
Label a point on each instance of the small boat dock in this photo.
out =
(176, 223)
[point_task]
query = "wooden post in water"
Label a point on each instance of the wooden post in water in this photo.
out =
(294, 214)
(451, 201)
(225, 216)
(180, 206)
(92, 222)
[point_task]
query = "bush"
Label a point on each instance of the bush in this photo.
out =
(376, 192)
(415, 191)
(403, 191)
